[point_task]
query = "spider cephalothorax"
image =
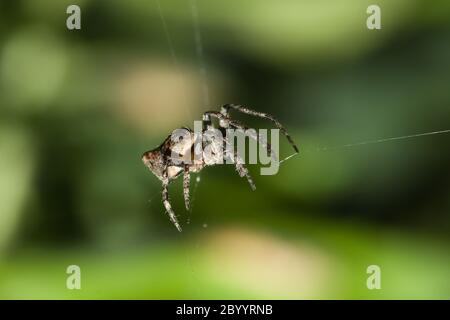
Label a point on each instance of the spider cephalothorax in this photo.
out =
(166, 167)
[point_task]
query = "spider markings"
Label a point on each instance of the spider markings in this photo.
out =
(159, 160)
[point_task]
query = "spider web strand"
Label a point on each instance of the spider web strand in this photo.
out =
(199, 51)
(350, 145)
(362, 143)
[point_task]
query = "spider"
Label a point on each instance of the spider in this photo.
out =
(162, 165)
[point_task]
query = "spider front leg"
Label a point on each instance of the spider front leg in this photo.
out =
(166, 202)
(225, 109)
(186, 183)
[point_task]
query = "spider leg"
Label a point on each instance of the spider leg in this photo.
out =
(226, 122)
(240, 166)
(206, 120)
(166, 202)
(225, 109)
(243, 171)
(186, 183)
(252, 135)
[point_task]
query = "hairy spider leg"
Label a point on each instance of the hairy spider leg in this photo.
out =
(238, 125)
(226, 122)
(243, 171)
(206, 121)
(240, 167)
(166, 202)
(186, 183)
(225, 108)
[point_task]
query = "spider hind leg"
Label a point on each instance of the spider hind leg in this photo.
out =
(243, 172)
(226, 122)
(225, 110)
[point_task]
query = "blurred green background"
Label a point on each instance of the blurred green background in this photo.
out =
(78, 108)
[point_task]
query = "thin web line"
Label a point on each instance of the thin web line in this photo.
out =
(386, 140)
(288, 157)
(198, 40)
(197, 182)
(167, 33)
(350, 145)
(171, 49)
(199, 51)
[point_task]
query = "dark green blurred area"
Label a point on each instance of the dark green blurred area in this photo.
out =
(78, 108)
